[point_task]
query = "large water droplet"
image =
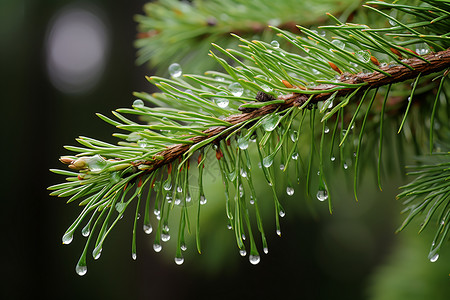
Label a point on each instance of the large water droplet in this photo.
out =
(434, 258)
(67, 238)
(322, 195)
(86, 230)
(275, 44)
(242, 142)
(138, 103)
(96, 163)
(148, 228)
(268, 160)
(179, 260)
(167, 185)
(221, 102)
(81, 269)
(203, 200)
(165, 237)
(394, 15)
(339, 44)
(236, 89)
(120, 207)
(290, 190)
(157, 247)
(175, 70)
(97, 251)
(270, 122)
(254, 259)
(363, 55)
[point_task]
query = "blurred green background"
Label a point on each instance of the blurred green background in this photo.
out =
(353, 254)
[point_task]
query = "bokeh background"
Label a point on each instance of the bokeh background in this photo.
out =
(51, 88)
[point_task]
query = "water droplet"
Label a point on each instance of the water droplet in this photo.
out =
(81, 269)
(270, 122)
(243, 172)
(434, 258)
(236, 89)
(167, 185)
(267, 161)
(157, 247)
(339, 44)
(138, 103)
(97, 251)
(394, 15)
(134, 255)
(252, 201)
(363, 55)
(345, 166)
(188, 198)
(279, 232)
(229, 226)
(242, 252)
(275, 44)
(175, 70)
(120, 207)
(333, 158)
(148, 228)
(293, 136)
(96, 163)
(254, 259)
(282, 167)
(322, 195)
(326, 129)
(282, 213)
(243, 237)
(165, 237)
(295, 155)
(67, 238)
(220, 79)
(265, 88)
(221, 102)
(203, 200)
(290, 190)
(315, 71)
(86, 230)
(242, 142)
(179, 260)
(266, 250)
(156, 212)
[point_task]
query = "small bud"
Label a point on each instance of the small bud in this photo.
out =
(374, 60)
(80, 163)
(66, 160)
(334, 67)
(396, 52)
(287, 84)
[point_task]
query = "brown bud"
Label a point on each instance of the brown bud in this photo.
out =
(287, 84)
(374, 60)
(66, 160)
(334, 67)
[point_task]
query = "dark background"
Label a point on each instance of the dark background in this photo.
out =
(329, 257)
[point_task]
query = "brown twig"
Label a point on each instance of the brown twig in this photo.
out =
(435, 62)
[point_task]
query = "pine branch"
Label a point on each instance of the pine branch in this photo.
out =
(260, 97)
(428, 64)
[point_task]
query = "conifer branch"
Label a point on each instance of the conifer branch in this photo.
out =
(431, 63)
